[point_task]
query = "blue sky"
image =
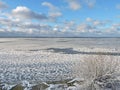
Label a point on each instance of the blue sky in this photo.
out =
(60, 18)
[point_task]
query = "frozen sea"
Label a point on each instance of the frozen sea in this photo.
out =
(48, 59)
(43, 43)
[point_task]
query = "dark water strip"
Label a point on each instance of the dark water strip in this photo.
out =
(71, 51)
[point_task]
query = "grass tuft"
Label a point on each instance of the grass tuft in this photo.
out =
(98, 71)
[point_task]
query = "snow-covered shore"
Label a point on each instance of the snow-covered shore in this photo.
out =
(35, 61)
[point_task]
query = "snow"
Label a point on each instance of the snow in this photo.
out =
(29, 62)
(17, 66)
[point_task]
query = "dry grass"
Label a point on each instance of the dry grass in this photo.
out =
(98, 70)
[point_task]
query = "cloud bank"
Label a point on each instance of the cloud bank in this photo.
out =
(23, 12)
(23, 21)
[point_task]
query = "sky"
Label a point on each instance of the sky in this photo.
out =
(60, 18)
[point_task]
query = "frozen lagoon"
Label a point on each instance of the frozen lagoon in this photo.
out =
(48, 59)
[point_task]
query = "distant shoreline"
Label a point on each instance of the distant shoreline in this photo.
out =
(59, 37)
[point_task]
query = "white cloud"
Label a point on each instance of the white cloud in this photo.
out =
(77, 4)
(20, 23)
(23, 12)
(52, 7)
(54, 11)
(74, 4)
(3, 5)
(118, 6)
(2, 30)
(85, 28)
(20, 27)
(55, 14)
(13, 27)
(88, 19)
(114, 29)
(97, 22)
(66, 26)
(90, 3)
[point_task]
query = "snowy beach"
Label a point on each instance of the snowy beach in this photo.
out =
(36, 60)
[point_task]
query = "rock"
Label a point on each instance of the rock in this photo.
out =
(71, 88)
(18, 87)
(104, 78)
(76, 80)
(58, 87)
(107, 82)
(109, 85)
(0, 86)
(26, 84)
(41, 86)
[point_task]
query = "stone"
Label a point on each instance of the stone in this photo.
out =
(17, 87)
(41, 86)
